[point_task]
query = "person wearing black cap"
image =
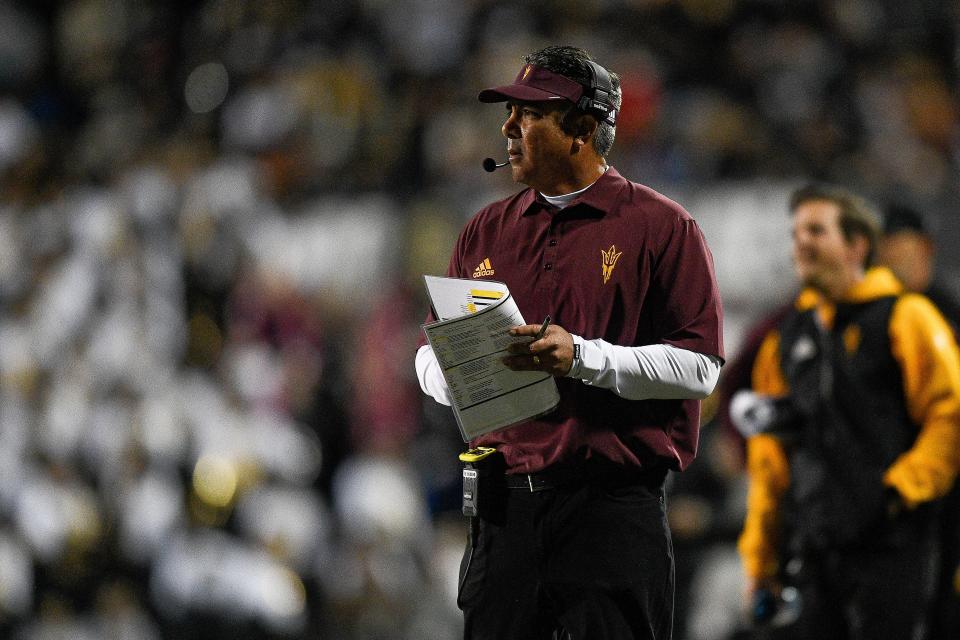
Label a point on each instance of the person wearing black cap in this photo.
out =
(908, 249)
(576, 544)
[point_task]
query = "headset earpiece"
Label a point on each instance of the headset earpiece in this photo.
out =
(596, 99)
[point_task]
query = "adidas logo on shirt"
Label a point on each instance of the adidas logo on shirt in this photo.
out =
(483, 269)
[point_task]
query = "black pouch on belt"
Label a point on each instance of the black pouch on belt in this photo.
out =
(484, 491)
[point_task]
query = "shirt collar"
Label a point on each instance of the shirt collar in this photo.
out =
(601, 195)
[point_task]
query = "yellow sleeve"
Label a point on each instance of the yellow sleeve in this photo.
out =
(769, 478)
(769, 474)
(767, 378)
(924, 346)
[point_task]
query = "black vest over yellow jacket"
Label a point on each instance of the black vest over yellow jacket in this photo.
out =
(851, 423)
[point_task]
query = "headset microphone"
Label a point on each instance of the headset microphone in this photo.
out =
(490, 165)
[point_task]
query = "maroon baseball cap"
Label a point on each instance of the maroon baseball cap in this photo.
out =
(535, 84)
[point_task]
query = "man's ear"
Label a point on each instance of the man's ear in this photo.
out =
(584, 127)
(859, 248)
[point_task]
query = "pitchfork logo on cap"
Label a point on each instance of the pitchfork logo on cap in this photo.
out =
(526, 72)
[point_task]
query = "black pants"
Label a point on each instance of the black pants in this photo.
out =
(866, 595)
(945, 614)
(593, 562)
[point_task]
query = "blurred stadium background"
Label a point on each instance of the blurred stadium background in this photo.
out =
(214, 217)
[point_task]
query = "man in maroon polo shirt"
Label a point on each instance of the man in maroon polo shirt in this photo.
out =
(579, 546)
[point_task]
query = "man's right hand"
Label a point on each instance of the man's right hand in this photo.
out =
(761, 599)
(551, 353)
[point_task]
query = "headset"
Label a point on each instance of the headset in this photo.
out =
(596, 98)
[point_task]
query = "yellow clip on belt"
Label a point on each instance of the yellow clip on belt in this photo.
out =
(476, 455)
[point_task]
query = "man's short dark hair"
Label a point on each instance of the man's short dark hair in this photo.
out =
(857, 217)
(569, 62)
(900, 217)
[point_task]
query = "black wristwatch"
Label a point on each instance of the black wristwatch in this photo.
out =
(575, 366)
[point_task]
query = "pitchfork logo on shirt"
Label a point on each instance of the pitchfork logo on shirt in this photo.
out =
(610, 257)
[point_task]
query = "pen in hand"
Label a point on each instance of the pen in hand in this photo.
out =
(543, 328)
(518, 349)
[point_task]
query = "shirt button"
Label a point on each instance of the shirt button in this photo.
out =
(548, 266)
(553, 242)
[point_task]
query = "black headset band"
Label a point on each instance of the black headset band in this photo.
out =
(597, 98)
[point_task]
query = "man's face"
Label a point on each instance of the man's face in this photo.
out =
(822, 256)
(540, 151)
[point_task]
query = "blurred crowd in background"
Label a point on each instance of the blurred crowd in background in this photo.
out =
(214, 218)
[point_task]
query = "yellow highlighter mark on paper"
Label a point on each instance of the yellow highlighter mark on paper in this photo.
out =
(479, 298)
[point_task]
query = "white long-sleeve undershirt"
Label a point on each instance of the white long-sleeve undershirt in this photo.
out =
(659, 371)
(431, 376)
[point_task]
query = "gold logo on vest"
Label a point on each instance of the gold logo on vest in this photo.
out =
(851, 339)
(610, 257)
(484, 269)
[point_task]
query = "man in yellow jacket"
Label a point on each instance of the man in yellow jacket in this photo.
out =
(855, 433)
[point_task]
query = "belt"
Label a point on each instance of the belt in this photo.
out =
(571, 476)
(533, 482)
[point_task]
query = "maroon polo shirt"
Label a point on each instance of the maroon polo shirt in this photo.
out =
(622, 263)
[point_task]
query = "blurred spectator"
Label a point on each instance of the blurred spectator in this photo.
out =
(909, 249)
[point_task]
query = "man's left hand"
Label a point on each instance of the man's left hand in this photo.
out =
(553, 353)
